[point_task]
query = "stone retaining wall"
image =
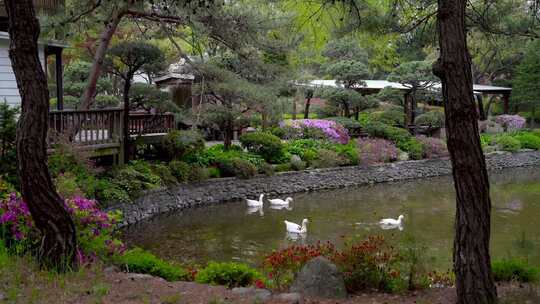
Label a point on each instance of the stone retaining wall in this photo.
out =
(221, 190)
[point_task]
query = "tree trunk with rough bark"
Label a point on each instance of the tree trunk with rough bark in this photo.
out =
(99, 57)
(127, 138)
(472, 263)
(58, 242)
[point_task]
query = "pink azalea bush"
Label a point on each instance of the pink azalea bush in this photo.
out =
(510, 122)
(330, 129)
(95, 228)
(433, 147)
(377, 150)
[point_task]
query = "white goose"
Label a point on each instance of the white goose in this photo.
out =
(254, 203)
(295, 228)
(392, 222)
(280, 202)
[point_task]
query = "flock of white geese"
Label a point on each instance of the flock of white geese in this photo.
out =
(293, 228)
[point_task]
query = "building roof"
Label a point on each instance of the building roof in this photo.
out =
(377, 85)
(53, 43)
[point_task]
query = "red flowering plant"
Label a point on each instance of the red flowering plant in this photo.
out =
(368, 263)
(282, 265)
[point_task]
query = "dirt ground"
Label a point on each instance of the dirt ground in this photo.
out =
(130, 288)
(22, 284)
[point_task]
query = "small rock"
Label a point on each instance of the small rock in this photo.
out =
(139, 276)
(320, 278)
(111, 270)
(2, 297)
(291, 298)
(257, 293)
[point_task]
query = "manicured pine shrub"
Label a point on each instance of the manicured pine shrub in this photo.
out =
(238, 167)
(327, 159)
(178, 144)
(180, 170)
(228, 274)
(264, 144)
(433, 119)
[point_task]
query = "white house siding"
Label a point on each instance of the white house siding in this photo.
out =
(8, 85)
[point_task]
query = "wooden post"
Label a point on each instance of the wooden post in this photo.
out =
(481, 111)
(59, 80)
(506, 100)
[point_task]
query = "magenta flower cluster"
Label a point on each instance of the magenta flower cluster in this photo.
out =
(433, 147)
(331, 129)
(511, 122)
(93, 225)
(15, 217)
(377, 150)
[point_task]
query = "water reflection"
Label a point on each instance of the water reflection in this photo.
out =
(230, 232)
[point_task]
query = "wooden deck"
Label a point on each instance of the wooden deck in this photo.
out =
(100, 131)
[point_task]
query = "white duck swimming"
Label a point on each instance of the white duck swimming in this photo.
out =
(280, 202)
(390, 223)
(295, 228)
(254, 203)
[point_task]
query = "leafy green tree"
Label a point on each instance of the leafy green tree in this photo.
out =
(125, 60)
(418, 77)
(526, 83)
(347, 64)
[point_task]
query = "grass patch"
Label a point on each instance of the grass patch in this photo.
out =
(139, 261)
(514, 270)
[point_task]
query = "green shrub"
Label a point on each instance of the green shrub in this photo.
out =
(217, 154)
(413, 147)
(364, 119)
(279, 132)
(66, 185)
(528, 141)
(350, 124)
(228, 274)
(178, 144)
(106, 101)
(286, 167)
(139, 261)
(214, 172)
(390, 117)
(296, 164)
(433, 118)
(135, 177)
(306, 149)
(238, 167)
(164, 173)
(198, 173)
(264, 144)
(348, 153)
(5, 188)
(180, 170)
(108, 191)
(327, 159)
(508, 143)
(512, 269)
(267, 169)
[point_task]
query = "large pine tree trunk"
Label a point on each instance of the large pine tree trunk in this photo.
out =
(46, 207)
(126, 136)
(99, 57)
(472, 264)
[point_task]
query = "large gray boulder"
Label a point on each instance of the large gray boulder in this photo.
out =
(320, 278)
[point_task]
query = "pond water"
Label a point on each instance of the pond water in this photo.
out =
(228, 232)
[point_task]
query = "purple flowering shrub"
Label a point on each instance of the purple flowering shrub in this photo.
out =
(433, 147)
(95, 228)
(377, 150)
(316, 128)
(510, 122)
(16, 225)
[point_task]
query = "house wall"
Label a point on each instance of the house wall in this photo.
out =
(8, 85)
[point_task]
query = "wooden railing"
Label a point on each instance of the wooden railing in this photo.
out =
(143, 123)
(86, 127)
(99, 127)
